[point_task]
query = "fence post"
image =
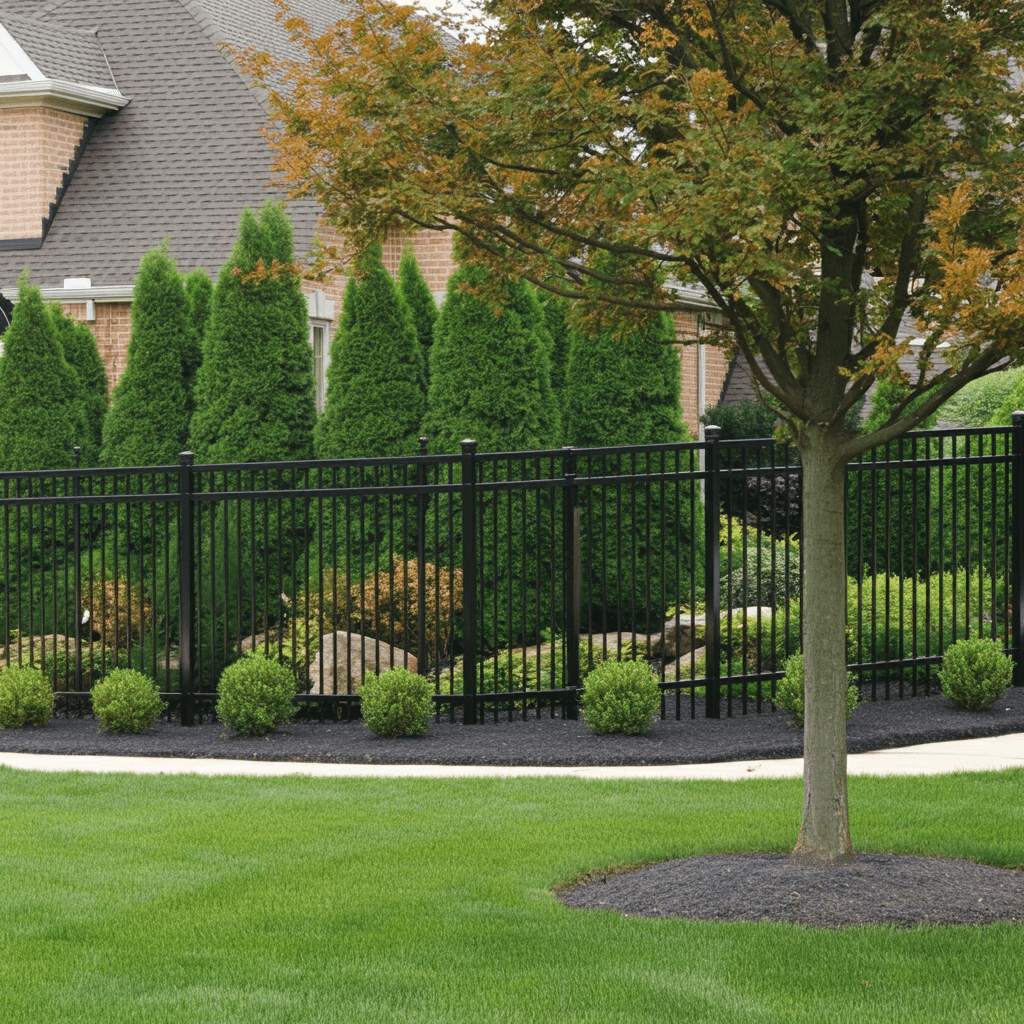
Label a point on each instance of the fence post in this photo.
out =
(571, 584)
(1017, 517)
(186, 640)
(421, 562)
(712, 584)
(469, 582)
(76, 527)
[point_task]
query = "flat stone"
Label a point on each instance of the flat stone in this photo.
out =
(356, 656)
(678, 638)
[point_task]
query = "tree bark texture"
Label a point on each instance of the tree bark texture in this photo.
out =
(825, 827)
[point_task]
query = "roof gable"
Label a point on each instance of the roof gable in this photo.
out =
(60, 53)
(183, 159)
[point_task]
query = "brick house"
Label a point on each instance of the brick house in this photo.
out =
(122, 124)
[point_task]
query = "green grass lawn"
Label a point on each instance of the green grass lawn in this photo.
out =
(190, 899)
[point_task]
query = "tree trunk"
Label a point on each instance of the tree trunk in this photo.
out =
(825, 829)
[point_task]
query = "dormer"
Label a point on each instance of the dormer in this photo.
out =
(54, 83)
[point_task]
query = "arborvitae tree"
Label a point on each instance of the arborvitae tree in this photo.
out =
(255, 403)
(484, 386)
(40, 412)
(256, 395)
(199, 295)
(556, 311)
(83, 357)
(523, 299)
(40, 422)
(148, 420)
(376, 397)
(416, 292)
(376, 390)
(641, 545)
(483, 379)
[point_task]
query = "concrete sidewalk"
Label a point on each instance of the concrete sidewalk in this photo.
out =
(988, 754)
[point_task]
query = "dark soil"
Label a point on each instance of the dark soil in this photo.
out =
(874, 889)
(537, 740)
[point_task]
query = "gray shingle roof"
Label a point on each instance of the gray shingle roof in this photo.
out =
(61, 53)
(184, 158)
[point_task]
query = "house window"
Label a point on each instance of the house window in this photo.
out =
(321, 358)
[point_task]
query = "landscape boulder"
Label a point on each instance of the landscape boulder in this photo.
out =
(682, 633)
(354, 655)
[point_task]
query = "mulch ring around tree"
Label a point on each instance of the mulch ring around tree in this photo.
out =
(873, 888)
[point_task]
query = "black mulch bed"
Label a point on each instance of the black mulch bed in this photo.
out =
(543, 740)
(874, 889)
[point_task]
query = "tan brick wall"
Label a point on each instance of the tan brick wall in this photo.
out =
(715, 368)
(112, 330)
(433, 252)
(36, 146)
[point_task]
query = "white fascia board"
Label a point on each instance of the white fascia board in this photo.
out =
(86, 100)
(101, 293)
(693, 296)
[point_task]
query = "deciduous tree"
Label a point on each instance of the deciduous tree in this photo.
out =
(781, 154)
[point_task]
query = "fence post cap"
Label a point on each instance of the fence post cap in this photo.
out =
(1017, 417)
(185, 458)
(468, 444)
(711, 432)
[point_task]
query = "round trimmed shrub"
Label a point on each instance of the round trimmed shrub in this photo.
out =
(256, 695)
(789, 692)
(975, 673)
(126, 701)
(620, 696)
(396, 703)
(26, 698)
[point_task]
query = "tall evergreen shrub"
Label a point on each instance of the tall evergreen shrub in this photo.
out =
(41, 420)
(255, 403)
(484, 385)
(40, 411)
(642, 545)
(416, 292)
(376, 388)
(256, 398)
(199, 296)
(376, 398)
(83, 358)
(523, 299)
(556, 312)
(483, 381)
(148, 422)
(148, 425)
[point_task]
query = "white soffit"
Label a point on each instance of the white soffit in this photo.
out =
(14, 61)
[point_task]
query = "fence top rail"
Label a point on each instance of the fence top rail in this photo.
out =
(84, 472)
(932, 460)
(203, 471)
(669, 446)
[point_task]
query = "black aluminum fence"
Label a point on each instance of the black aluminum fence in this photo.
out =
(504, 577)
